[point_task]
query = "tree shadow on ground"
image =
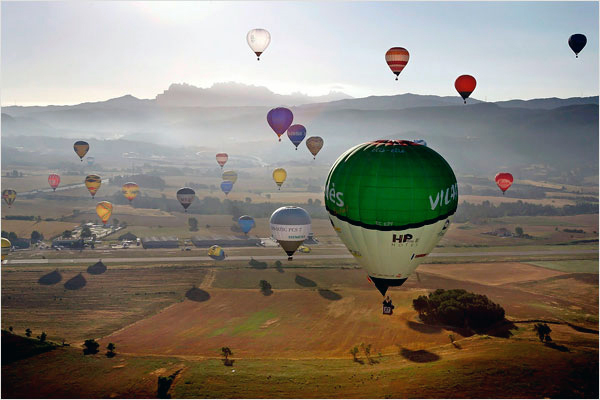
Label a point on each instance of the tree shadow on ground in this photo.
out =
(302, 281)
(257, 264)
(196, 294)
(278, 268)
(558, 347)
(50, 279)
(75, 283)
(420, 356)
(96, 269)
(502, 329)
(423, 328)
(267, 292)
(329, 295)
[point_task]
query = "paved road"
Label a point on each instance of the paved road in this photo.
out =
(297, 257)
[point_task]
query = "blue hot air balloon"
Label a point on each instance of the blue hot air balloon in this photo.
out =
(279, 120)
(246, 222)
(226, 187)
(296, 133)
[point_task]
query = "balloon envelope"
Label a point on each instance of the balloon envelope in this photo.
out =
(279, 120)
(81, 148)
(5, 248)
(130, 190)
(54, 181)
(296, 133)
(314, 144)
(92, 183)
(390, 202)
(504, 180)
(230, 176)
(222, 159)
(246, 223)
(290, 226)
(104, 210)
(216, 253)
(464, 85)
(577, 42)
(226, 187)
(397, 58)
(258, 40)
(279, 176)
(186, 196)
(9, 196)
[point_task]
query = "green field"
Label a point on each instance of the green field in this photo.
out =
(584, 266)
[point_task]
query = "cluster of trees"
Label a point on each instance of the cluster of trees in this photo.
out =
(473, 212)
(366, 348)
(90, 346)
(457, 307)
(14, 174)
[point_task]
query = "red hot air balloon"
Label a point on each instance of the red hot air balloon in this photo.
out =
(504, 180)
(397, 58)
(465, 84)
(54, 181)
(279, 120)
(222, 159)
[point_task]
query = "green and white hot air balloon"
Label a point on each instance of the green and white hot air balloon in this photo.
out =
(390, 202)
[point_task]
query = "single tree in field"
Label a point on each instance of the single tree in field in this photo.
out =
(193, 223)
(36, 237)
(543, 332)
(28, 332)
(226, 352)
(90, 346)
(111, 350)
(519, 231)
(42, 337)
(367, 350)
(354, 352)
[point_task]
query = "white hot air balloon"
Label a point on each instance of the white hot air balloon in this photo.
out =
(258, 40)
(290, 226)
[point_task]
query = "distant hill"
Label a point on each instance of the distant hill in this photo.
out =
(548, 104)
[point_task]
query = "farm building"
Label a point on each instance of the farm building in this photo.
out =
(160, 242)
(68, 243)
(229, 241)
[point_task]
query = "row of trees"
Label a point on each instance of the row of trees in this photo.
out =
(472, 212)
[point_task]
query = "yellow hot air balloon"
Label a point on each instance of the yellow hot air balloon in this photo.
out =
(230, 176)
(81, 148)
(104, 210)
(92, 183)
(5, 248)
(130, 190)
(9, 196)
(279, 176)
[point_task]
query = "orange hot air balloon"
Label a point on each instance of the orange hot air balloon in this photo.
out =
(54, 181)
(222, 158)
(130, 190)
(504, 180)
(465, 84)
(92, 183)
(397, 58)
(104, 210)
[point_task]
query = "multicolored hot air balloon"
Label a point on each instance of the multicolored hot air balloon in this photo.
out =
(5, 248)
(186, 196)
(81, 148)
(216, 253)
(390, 202)
(222, 159)
(314, 144)
(279, 176)
(397, 58)
(226, 187)
(54, 181)
(9, 196)
(504, 180)
(258, 40)
(246, 222)
(130, 190)
(465, 84)
(290, 226)
(296, 133)
(104, 210)
(577, 42)
(92, 183)
(230, 176)
(279, 120)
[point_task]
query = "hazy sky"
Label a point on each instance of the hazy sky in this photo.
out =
(71, 52)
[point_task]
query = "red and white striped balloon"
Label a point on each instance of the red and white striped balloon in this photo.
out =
(397, 58)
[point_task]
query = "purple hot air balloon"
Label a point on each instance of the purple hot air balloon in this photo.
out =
(296, 133)
(279, 120)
